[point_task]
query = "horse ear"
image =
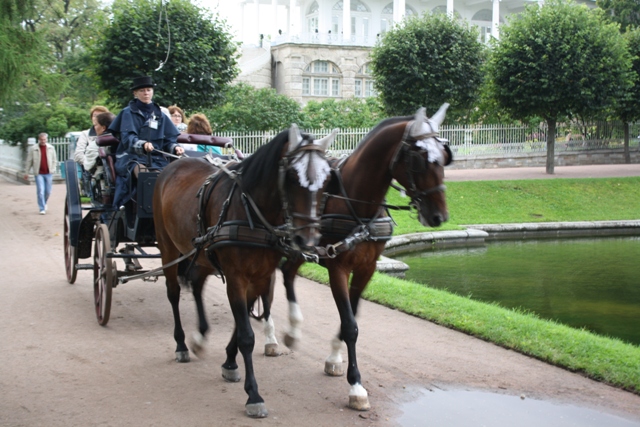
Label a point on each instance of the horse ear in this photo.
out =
(295, 138)
(438, 117)
(327, 140)
(419, 118)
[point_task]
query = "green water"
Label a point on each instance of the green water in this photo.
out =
(584, 283)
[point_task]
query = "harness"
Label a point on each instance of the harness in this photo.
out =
(354, 229)
(255, 231)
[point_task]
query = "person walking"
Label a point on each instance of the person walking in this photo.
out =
(42, 159)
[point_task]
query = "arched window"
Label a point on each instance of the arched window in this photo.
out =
(312, 17)
(360, 17)
(321, 78)
(364, 82)
(386, 16)
(443, 9)
(483, 19)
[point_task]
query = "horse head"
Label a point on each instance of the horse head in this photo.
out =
(419, 166)
(307, 172)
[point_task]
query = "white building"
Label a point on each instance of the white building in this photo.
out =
(317, 49)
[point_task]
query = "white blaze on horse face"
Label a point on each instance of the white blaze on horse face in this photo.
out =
(434, 149)
(312, 169)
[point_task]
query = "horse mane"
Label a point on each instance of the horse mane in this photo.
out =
(262, 166)
(382, 124)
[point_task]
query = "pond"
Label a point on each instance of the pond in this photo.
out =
(584, 283)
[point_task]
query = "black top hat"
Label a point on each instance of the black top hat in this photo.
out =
(140, 82)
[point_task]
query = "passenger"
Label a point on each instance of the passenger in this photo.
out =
(178, 118)
(143, 130)
(199, 125)
(87, 135)
(103, 121)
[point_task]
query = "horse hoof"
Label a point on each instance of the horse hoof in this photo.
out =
(197, 344)
(290, 341)
(271, 350)
(182, 356)
(359, 403)
(256, 410)
(333, 369)
(231, 375)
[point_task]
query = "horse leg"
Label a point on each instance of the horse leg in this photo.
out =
(268, 326)
(173, 294)
(289, 270)
(198, 276)
(358, 397)
(230, 366)
(245, 342)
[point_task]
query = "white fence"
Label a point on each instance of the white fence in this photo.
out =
(465, 141)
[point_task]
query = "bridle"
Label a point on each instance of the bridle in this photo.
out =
(406, 150)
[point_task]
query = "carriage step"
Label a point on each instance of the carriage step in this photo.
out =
(84, 266)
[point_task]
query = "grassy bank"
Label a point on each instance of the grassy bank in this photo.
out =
(541, 200)
(481, 202)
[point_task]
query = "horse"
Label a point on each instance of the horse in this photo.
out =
(237, 220)
(355, 224)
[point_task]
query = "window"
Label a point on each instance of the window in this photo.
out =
(360, 14)
(387, 16)
(321, 78)
(483, 19)
(364, 83)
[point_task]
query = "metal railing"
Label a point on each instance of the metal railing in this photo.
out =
(465, 141)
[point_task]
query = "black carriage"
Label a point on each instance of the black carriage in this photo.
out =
(96, 230)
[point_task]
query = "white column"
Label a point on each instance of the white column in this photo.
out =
(294, 22)
(398, 10)
(257, 22)
(274, 19)
(346, 19)
(495, 20)
(450, 7)
(324, 17)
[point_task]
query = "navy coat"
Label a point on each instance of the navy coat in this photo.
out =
(132, 128)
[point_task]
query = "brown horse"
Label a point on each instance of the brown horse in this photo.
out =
(355, 224)
(241, 217)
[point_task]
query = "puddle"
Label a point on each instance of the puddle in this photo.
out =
(462, 408)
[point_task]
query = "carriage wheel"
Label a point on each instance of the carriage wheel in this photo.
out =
(104, 274)
(70, 251)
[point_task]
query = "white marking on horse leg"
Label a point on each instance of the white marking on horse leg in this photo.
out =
(197, 343)
(292, 337)
(358, 398)
(333, 364)
(271, 343)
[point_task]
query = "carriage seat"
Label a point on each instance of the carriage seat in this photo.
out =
(210, 140)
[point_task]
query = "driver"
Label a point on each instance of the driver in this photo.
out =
(141, 128)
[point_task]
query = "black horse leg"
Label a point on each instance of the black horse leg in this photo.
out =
(289, 270)
(245, 341)
(230, 366)
(173, 294)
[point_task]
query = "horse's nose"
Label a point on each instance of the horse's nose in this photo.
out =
(437, 220)
(304, 243)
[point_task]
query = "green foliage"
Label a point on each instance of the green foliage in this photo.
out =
(346, 113)
(559, 60)
(56, 120)
(628, 108)
(624, 12)
(426, 61)
(246, 108)
(189, 53)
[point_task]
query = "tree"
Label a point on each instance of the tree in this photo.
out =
(559, 60)
(346, 113)
(189, 54)
(624, 12)
(428, 61)
(628, 109)
(246, 108)
(21, 50)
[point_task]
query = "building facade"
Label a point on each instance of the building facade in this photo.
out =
(318, 49)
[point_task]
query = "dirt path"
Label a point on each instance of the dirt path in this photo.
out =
(58, 367)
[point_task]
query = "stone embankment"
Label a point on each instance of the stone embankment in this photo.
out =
(479, 234)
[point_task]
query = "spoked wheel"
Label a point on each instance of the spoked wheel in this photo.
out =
(70, 251)
(104, 274)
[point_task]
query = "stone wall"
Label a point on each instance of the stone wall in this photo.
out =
(593, 157)
(289, 62)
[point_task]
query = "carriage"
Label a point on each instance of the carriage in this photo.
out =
(94, 229)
